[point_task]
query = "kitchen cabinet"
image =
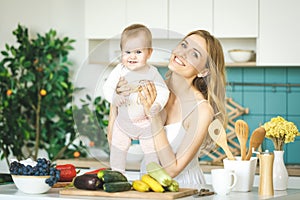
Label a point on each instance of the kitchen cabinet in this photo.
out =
(279, 42)
(107, 19)
(189, 15)
(151, 13)
(104, 19)
(225, 19)
(235, 18)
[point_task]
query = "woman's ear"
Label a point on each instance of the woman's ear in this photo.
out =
(204, 73)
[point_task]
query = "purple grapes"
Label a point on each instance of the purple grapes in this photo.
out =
(42, 168)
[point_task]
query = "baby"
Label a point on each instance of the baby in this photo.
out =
(131, 122)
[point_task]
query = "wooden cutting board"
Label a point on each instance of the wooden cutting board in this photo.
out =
(130, 194)
(61, 184)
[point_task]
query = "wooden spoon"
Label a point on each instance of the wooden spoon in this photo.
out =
(218, 134)
(242, 132)
(256, 139)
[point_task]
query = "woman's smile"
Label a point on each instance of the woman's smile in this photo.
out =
(178, 61)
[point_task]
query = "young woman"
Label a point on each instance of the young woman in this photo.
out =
(196, 80)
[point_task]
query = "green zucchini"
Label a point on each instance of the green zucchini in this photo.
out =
(108, 176)
(116, 186)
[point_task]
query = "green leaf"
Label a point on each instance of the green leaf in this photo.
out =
(26, 135)
(49, 56)
(27, 64)
(29, 77)
(13, 52)
(7, 47)
(22, 59)
(64, 84)
(4, 53)
(88, 97)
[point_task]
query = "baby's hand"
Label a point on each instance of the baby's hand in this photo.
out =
(155, 109)
(119, 100)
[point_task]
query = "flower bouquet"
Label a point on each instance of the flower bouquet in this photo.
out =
(280, 131)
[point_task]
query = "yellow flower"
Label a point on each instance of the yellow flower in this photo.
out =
(280, 131)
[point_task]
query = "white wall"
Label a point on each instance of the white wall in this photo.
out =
(65, 16)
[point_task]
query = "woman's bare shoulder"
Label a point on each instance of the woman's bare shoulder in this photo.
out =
(205, 108)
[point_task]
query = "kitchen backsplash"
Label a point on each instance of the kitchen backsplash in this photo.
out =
(265, 100)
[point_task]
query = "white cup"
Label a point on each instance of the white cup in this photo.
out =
(223, 180)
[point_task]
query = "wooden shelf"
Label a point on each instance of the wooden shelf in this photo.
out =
(244, 64)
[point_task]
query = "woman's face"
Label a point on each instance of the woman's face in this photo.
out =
(189, 57)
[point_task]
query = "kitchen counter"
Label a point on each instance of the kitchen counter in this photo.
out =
(9, 191)
(293, 170)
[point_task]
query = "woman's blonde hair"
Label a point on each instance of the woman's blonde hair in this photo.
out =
(213, 85)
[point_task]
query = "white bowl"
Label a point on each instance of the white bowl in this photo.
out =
(31, 184)
(240, 55)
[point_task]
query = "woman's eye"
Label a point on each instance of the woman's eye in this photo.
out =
(127, 52)
(139, 52)
(183, 45)
(195, 54)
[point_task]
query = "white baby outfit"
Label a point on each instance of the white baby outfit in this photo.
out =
(131, 121)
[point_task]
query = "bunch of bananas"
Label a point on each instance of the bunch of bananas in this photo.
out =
(156, 180)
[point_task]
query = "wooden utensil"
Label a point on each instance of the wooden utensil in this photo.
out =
(218, 134)
(242, 132)
(256, 139)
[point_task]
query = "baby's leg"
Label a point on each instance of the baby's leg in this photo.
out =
(147, 145)
(119, 146)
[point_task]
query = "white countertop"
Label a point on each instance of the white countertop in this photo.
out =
(9, 191)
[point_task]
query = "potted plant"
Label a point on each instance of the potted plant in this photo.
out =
(36, 97)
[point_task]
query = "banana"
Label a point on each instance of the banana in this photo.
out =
(154, 185)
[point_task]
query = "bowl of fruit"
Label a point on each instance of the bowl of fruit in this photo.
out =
(33, 177)
(31, 184)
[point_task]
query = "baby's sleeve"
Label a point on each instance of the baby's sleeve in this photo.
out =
(109, 87)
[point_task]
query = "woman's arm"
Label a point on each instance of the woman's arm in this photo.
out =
(196, 126)
(195, 134)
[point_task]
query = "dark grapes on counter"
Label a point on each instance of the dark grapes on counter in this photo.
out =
(42, 168)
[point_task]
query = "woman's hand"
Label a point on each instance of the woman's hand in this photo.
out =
(147, 96)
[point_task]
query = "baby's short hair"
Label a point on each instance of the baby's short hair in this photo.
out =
(134, 30)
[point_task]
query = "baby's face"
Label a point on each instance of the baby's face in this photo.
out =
(135, 53)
